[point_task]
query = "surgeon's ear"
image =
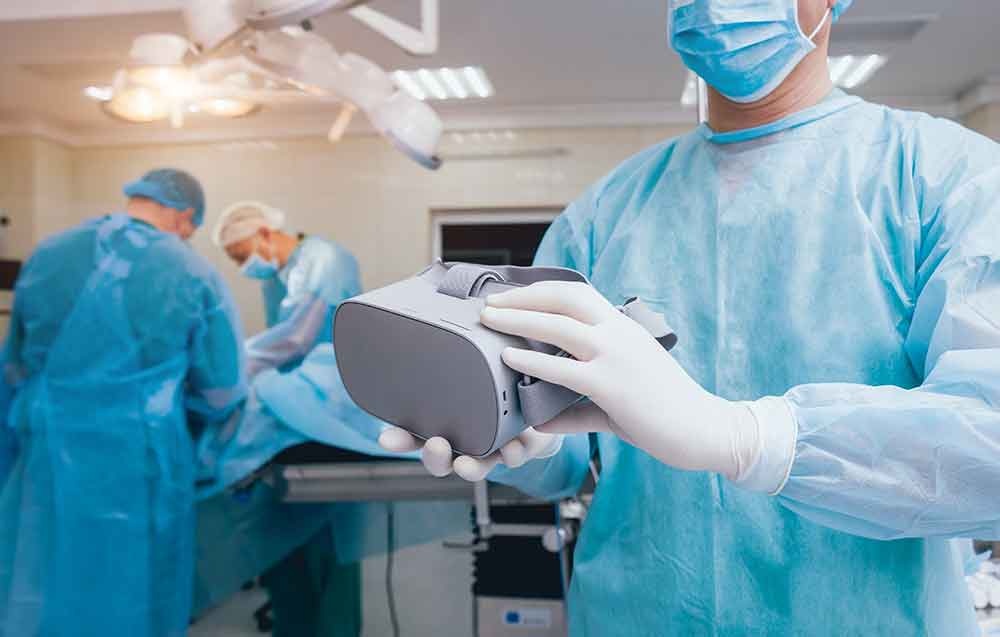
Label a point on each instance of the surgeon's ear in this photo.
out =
(185, 224)
(811, 13)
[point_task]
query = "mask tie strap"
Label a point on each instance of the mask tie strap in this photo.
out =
(826, 16)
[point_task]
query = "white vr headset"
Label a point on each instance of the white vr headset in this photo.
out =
(414, 354)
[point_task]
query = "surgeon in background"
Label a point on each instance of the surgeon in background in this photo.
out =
(121, 339)
(302, 281)
(831, 415)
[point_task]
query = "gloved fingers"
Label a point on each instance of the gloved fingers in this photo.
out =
(575, 300)
(554, 369)
(538, 444)
(529, 445)
(555, 329)
(399, 440)
(514, 453)
(436, 456)
(476, 469)
(584, 417)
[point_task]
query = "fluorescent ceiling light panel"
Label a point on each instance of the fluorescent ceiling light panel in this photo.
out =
(839, 67)
(429, 81)
(851, 71)
(445, 83)
(408, 83)
(455, 86)
(477, 79)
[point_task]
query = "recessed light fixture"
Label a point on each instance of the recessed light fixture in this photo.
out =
(851, 71)
(445, 83)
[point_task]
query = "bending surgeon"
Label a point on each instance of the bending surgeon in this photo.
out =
(316, 588)
(831, 416)
(302, 282)
(123, 352)
(292, 363)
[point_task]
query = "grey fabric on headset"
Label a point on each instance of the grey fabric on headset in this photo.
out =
(465, 280)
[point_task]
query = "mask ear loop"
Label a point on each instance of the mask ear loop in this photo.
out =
(819, 27)
(270, 252)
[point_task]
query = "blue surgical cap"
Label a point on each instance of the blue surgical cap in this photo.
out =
(172, 188)
(840, 7)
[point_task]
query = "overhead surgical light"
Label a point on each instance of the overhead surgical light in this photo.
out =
(226, 107)
(243, 53)
(273, 14)
(310, 62)
(138, 105)
(214, 23)
(174, 83)
(143, 94)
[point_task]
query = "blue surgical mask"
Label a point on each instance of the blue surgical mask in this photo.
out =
(257, 268)
(744, 49)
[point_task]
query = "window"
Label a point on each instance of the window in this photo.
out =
(490, 237)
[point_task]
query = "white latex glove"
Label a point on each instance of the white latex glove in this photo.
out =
(436, 453)
(637, 389)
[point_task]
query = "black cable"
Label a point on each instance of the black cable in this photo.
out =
(390, 550)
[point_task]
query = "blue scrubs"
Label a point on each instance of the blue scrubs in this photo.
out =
(848, 258)
(123, 353)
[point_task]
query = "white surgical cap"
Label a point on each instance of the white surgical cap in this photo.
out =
(243, 219)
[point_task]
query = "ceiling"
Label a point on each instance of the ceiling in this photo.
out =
(562, 59)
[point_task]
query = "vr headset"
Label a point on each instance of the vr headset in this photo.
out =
(414, 354)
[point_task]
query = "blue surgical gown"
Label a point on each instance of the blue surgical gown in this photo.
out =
(295, 377)
(848, 258)
(292, 362)
(121, 338)
(300, 303)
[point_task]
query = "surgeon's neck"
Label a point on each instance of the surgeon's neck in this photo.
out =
(150, 212)
(806, 86)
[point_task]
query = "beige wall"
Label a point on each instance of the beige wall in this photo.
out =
(34, 187)
(53, 166)
(35, 190)
(360, 192)
(986, 120)
(17, 196)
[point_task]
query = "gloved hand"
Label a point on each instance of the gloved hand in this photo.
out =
(637, 389)
(436, 453)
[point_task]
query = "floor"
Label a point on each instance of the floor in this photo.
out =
(990, 621)
(233, 619)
